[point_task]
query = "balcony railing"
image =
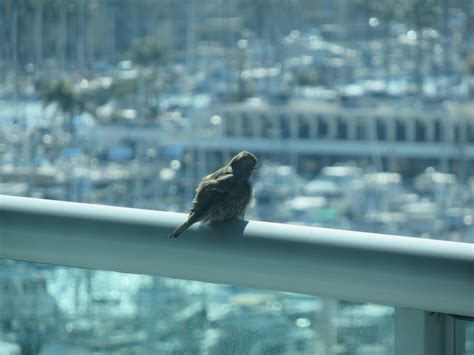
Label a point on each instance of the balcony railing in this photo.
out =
(430, 282)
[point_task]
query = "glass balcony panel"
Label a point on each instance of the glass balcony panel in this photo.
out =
(47, 309)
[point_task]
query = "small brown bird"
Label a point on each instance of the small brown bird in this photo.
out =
(224, 194)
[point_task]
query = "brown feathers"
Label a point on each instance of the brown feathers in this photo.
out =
(224, 194)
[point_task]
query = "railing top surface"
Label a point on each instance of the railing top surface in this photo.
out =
(393, 270)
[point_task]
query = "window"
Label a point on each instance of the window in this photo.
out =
(437, 130)
(457, 132)
(400, 130)
(420, 131)
(303, 127)
(268, 130)
(285, 125)
(470, 132)
(322, 127)
(381, 129)
(341, 128)
(247, 122)
(361, 131)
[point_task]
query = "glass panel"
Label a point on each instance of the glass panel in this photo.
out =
(54, 309)
(469, 337)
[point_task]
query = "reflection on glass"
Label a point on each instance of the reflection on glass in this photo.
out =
(469, 338)
(50, 309)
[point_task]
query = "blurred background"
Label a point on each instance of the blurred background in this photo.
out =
(360, 112)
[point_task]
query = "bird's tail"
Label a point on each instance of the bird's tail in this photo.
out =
(180, 229)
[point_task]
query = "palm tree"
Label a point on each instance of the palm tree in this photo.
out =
(62, 93)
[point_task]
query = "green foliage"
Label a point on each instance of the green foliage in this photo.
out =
(245, 90)
(71, 100)
(94, 97)
(419, 13)
(265, 17)
(123, 88)
(306, 76)
(383, 9)
(146, 51)
(62, 93)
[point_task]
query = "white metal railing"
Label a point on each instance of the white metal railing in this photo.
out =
(417, 276)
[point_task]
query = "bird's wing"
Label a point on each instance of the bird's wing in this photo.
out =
(219, 173)
(209, 193)
(210, 188)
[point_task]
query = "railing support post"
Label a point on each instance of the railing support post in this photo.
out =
(428, 333)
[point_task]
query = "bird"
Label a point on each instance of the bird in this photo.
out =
(223, 195)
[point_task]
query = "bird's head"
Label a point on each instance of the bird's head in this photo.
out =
(244, 164)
